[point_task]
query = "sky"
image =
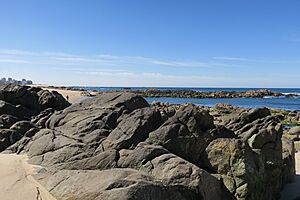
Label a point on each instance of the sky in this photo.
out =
(175, 43)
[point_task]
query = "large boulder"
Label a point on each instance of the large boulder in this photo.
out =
(16, 111)
(34, 99)
(294, 131)
(113, 184)
(241, 171)
(133, 128)
(240, 118)
(188, 133)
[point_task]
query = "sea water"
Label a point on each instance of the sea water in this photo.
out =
(292, 103)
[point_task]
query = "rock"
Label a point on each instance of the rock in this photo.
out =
(288, 156)
(47, 99)
(34, 99)
(239, 119)
(139, 156)
(22, 127)
(8, 137)
(294, 131)
(117, 146)
(115, 184)
(193, 182)
(242, 173)
(6, 121)
(105, 160)
(133, 129)
(41, 119)
(16, 111)
(20, 95)
(187, 133)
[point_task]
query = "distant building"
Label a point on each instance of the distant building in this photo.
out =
(14, 81)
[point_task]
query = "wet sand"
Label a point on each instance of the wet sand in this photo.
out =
(16, 181)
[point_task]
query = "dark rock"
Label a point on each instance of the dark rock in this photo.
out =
(16, 111)
(6, 121)
(8, 137)
(47, 99)
(133, 129)
(138, 157)
(34, 99)
(22, 127)
(41, 119)
(186, 134)
(239, 119)
(288, 156)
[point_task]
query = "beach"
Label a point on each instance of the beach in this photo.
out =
(16, 180)
(73, 96)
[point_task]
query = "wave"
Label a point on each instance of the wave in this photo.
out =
(292, 93)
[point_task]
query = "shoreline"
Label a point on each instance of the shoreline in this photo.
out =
(182, 93)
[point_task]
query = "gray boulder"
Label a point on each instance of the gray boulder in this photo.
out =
(113, 184)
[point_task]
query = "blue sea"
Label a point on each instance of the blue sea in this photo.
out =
(271, 102)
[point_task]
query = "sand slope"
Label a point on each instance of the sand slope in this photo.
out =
(16, 182)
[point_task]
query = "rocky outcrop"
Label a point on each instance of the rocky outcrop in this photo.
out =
(18, 105)
(113, 184)
(200, 94)
(117, 146)
(31, 98)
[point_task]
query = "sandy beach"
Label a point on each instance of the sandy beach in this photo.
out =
(16, 180)
(73, 96)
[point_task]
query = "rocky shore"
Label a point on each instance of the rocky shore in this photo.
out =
(118, 147)
(198, 94)
(259, 93)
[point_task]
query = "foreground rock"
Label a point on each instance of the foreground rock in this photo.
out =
(116, 146)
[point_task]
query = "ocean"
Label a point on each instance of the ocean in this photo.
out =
(271, 102)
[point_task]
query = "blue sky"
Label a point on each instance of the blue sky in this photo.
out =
(190, 43)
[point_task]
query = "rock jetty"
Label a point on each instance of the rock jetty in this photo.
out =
(118, 147)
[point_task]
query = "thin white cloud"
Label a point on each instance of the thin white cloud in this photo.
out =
(59, 58)
(230, 58)
(15, 61)
(152, 79)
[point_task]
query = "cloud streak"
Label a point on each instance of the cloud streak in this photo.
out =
(230, 58)
(58, 58)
